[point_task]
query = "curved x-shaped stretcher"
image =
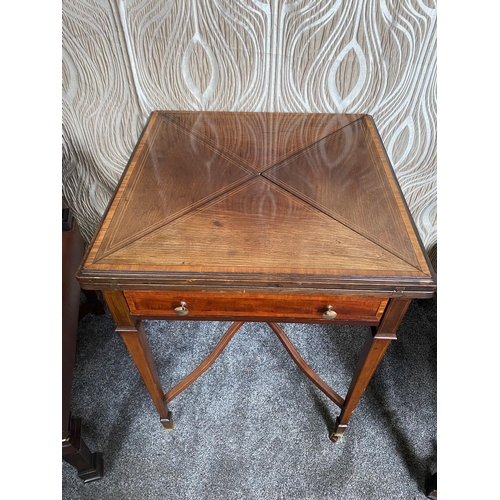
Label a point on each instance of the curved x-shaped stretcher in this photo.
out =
(347, 405)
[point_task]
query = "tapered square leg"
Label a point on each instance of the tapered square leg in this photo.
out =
(373, 351)
(134, 337)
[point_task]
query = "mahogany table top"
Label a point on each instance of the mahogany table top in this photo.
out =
(259, 201)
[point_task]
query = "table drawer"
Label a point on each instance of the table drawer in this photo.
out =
(198, 304)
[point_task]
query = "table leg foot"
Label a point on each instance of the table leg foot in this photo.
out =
(338, 431)
(168, 423)
(90, 466)
(96, 470)
(431, 487)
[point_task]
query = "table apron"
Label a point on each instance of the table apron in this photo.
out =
(255, 307)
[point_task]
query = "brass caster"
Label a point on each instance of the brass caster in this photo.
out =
(168, 423)
(334, 438)
(170, 428)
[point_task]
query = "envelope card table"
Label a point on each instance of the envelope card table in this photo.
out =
(258, 217)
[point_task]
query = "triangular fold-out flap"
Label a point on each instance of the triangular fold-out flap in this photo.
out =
(335, 172)
(260, 140)
(256, 227)
(173, 174)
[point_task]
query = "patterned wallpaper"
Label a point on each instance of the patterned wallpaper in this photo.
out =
(123, 59)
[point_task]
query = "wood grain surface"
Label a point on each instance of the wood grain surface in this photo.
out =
(259, 198)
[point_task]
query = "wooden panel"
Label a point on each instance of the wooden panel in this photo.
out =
(245, 305)
(343, 176)
(175, 172)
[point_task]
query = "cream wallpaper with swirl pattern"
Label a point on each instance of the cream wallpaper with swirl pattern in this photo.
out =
(123, 59)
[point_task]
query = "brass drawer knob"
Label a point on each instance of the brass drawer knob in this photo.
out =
(329, 313)
(181, 310)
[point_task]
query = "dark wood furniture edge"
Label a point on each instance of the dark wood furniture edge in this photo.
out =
(74, 450)
(90, 466)
(93, 305)
(431, 487)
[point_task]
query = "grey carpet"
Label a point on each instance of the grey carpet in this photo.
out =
(253, 426)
